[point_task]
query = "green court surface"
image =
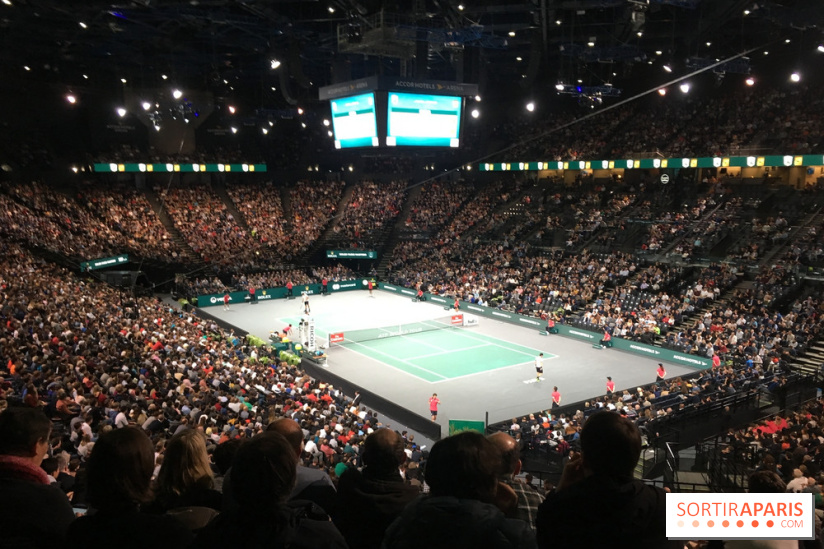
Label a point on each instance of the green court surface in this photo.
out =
(446, 354)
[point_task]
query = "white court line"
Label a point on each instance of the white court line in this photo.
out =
(396, 358)
(441, 349)
(410, 374)
(461, 332)
(447, 351)
(490, 370)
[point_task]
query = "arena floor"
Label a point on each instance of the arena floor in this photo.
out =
(475, 370)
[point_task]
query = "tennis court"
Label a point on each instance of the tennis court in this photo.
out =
(432, 350)
(488, 368)
(444, 354)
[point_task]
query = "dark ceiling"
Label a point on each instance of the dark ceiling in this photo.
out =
(226, 46)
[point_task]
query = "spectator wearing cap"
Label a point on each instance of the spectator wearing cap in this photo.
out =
(33, 513)
(377, 491)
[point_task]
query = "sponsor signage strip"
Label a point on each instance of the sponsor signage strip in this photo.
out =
(148, 167)
(209, 300)
(104, 262)
(772, 161)
(658, 353)
(351, 254)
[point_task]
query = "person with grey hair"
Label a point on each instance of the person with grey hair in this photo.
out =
(528, 499)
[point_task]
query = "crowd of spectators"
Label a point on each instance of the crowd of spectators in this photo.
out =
(212, 232)
(95, 365)
(436, 204)
(260, 206)
(129, 212)
(313, 206)
(369, 213)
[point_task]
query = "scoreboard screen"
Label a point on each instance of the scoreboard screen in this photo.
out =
(423, 120)
(354, 122)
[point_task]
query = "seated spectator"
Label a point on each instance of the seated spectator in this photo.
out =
(458, 513)
(631, 513)
(185, 479)
(263, 476)
(528, 499)
(119, 483)
(33, 513)
(312, 484)
(377, 491)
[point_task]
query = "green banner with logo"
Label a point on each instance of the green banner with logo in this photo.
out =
(210, 300)
(351, 254)
(104, 262)
(460, 425)
(658, 353)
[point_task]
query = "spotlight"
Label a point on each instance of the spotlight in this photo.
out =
(662, 91)
(329, 133)
(234, 129)
(685, 87)
(26, 68)
(658, 52)
(123, 80)
(164, 77)
(821, 48)
(265, 130)
(591, 44)
(667, 68)
(146, 105)
(7, 2)
(121, 112)
(300, 111)
(232, 109)
(71, 99)
(460, 7)
(512, 33)
(519, 58)
(795, 77)
(750, 81)
(274, 63)
(558, 22)
(83, 25)
(326, 122)
(85, 77)
(530, 106)
(331, 10)
(475, 113)
(478, 98)
(177, 94)
(559, 86)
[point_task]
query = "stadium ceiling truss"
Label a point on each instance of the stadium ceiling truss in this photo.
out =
(230, 43)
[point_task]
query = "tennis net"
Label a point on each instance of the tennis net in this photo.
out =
(370, 334)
